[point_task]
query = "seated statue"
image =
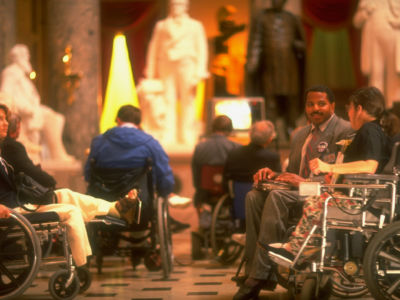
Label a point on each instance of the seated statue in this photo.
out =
(41, 126)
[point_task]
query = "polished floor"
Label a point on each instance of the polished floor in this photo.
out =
(200, 279)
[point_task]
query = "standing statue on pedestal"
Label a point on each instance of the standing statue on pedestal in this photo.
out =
(380, 48)
(177, 55)
(276, 59)
(39, 122)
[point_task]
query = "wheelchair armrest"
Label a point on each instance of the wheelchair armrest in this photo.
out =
(42, 217)
(109, 220)
(385, 177)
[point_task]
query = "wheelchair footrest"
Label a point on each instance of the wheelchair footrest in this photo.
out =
(109, 220)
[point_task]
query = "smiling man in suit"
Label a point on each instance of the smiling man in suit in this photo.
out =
(267, 213)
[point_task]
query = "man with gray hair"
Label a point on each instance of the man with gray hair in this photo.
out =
(243, 162)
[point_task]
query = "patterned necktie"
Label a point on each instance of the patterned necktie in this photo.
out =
(316, 133)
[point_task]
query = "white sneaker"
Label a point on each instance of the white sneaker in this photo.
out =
(178, 201)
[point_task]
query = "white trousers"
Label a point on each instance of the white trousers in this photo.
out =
(76, 209)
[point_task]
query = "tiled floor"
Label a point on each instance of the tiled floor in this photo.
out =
(205, 279)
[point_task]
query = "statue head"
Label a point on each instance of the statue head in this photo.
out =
(19, 55)
(178, 7)
(278, 4)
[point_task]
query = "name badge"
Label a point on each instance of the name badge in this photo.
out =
(322, 147)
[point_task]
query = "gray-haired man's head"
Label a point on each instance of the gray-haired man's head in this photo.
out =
(262, 133)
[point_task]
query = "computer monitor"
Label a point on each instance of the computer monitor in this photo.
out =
(243, 111)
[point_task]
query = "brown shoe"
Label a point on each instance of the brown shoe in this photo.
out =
(129, 207)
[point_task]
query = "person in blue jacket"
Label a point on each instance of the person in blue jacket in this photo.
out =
(128, 146)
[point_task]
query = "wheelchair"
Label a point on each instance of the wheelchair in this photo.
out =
(25, 246)
(225, 217)
(149, 240)
(350, 241)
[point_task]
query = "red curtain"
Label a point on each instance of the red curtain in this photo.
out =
(135, 19)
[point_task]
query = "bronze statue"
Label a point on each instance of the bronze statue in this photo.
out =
(275, 63)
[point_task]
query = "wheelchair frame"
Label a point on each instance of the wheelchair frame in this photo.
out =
(360, 188)
(19, 268)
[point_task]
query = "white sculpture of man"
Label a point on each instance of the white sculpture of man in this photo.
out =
(177, 55)
(380, 49)
(38, 121)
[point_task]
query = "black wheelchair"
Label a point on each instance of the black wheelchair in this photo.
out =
(149, 240)
(224, 217)
(356, 247)
(25, 246)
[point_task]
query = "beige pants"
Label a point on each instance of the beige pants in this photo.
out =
(76, 209)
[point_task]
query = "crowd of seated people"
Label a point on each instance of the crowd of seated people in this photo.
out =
(314, 152)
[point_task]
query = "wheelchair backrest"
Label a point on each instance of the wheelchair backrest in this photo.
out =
(238, 191)
(211, 179)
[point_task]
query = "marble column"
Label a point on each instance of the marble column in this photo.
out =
(7, 29)
(75, 24)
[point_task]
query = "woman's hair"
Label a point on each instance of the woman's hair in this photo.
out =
(390, 123)
(370, 99)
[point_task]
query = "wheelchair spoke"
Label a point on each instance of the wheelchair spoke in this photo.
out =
(393, 287)
(389, 257)
(6, 272)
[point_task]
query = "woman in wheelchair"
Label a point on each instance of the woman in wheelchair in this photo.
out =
(74, 209)
(368, 153)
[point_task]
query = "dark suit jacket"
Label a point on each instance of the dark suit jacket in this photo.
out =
(243, 162)
(8, 190)
(15, 154)
(336, 130)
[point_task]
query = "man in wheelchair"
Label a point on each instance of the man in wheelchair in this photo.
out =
(74, 209)
(368, 153)
(268, 211)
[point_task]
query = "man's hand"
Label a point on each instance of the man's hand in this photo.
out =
(264, 174)
(4, 211)
(290, 178)
(318, 166)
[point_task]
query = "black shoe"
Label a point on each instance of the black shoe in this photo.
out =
(247, 292)
(176, 226)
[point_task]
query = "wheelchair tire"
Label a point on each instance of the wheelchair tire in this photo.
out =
(308, 291)
(85, 279)
(152, 260)
(58, 288)
(26, 255)
(164, 235)
(381, 263)
(218, 234)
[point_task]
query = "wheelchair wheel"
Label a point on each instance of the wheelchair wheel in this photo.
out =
(60, 288)
(221, 225)
(164, 235)
(20, 255)
(152, 260)
(316, 289)
(382, 263)
(229, 252)
(85, 279)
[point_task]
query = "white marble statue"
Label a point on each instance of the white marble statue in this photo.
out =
(151, 98)
(40, 124)
(177, 55)
(380, 49)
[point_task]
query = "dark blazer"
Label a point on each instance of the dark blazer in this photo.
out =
(15, 154)
(336, 130)
(243, 162)
(8, 190)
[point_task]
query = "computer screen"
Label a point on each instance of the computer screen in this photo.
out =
(243, 111)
